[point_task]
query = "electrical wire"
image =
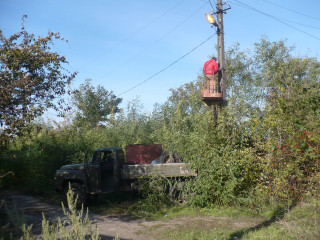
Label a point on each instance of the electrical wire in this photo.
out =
(131, 35)
(291, 10)
(305, 25)
(287, 20)
(273, 17)
(171, 64)
(152, 44)
(211, 4)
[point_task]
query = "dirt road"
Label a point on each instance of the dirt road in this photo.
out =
(125, 227)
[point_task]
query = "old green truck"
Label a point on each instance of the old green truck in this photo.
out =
(109, 172)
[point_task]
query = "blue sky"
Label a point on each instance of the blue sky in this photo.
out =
(119, 44)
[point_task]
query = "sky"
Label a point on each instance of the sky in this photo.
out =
(127, 46)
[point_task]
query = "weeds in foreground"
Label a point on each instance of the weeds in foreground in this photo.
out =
(74, 225)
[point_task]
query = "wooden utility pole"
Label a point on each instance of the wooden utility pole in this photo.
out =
(220, 34)
(221, 74)
(214, 99)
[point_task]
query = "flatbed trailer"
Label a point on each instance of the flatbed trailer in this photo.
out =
(168, 170)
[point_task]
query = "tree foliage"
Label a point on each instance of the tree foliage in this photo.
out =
(94, 105)
(32, 77)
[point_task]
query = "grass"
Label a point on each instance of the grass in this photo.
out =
(192, 231)
(218, 211)
(115, 203)
(300, 222)
(201, 228)
(232, 222)
(132, 204)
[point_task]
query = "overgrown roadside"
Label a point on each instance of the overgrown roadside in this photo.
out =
(111, 226)
(199, 224)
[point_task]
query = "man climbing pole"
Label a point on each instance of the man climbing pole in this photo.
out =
(210, 68)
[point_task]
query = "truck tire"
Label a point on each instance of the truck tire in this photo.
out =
(79, 191)
(165, 158)
(177, 158)
(175, 192)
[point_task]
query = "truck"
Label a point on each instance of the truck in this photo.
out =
(108, 171)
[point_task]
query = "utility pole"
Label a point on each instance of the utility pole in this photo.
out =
(221, 74)
(221, 60)
(220, 34)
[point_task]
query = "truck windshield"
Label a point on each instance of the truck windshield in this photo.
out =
(101, 157)
(96, 159)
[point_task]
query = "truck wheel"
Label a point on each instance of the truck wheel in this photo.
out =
(175, 192)
(165, 157)
(79, 191)
(177, 158)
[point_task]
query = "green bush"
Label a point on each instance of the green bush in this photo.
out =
(155, 193)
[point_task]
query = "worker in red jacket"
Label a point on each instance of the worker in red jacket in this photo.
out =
(210, 68)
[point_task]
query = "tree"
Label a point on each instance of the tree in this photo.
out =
(32, 76)
(282, 103)
(267, 138)
(94, 105)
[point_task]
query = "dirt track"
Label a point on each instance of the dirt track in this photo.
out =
(125, 227)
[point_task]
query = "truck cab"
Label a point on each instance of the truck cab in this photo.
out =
(101, 175)
(104, 170)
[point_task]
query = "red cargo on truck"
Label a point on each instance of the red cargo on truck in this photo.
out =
(143, 154)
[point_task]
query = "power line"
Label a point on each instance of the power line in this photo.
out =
(273, 17)
(131, 35)
(287, 20)
(291, 10)
(153, 43)
(211, 4)
(152, 76)
(305, 25)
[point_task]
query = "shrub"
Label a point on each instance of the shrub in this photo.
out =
(76, 226)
